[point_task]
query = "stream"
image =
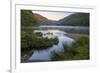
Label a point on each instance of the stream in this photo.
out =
(45, 55)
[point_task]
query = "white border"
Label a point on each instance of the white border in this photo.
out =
(16, 66)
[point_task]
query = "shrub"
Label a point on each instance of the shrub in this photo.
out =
(35, 41)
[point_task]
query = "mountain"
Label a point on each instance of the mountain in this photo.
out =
(76, 19)
(43, 20)
(39, 17)
(27, 18)
(48, 22)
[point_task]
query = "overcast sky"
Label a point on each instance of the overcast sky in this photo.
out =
(53, 15)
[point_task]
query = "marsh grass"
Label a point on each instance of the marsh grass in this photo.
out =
(79, 51)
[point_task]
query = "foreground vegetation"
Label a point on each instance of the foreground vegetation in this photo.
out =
(79, 51)
(35, 41)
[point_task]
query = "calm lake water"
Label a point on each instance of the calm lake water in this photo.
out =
(70, 29)
(46, 54)
(56, 31)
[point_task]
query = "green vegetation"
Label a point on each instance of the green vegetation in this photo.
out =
(28, 19)
(77, 19)
(80, 51)
(31, 40)
(35, 41)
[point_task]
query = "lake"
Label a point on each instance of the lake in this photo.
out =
(69, 29)
(55, 31)
(46, 54)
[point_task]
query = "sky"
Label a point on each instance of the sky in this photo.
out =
(53, 15)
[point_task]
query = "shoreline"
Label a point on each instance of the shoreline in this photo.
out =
(76, 36)
(25, 58)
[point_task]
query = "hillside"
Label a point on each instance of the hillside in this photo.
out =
(48, 22)
(33, 19)
(39, 17)
(27, 18)
(77, 19)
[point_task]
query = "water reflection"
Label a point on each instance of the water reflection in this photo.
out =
(46, 54)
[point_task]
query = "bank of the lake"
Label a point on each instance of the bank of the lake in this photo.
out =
(79, 51)
(34, 41)
(75, 36)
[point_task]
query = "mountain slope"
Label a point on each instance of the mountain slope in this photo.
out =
(27, 18)
(77, 19)
(48, 22)
(39, 17)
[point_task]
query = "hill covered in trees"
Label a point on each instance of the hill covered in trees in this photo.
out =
(76, 19)
(28, 18)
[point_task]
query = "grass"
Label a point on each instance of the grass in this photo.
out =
(35, 41)
(31, 41)
(79, 51)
